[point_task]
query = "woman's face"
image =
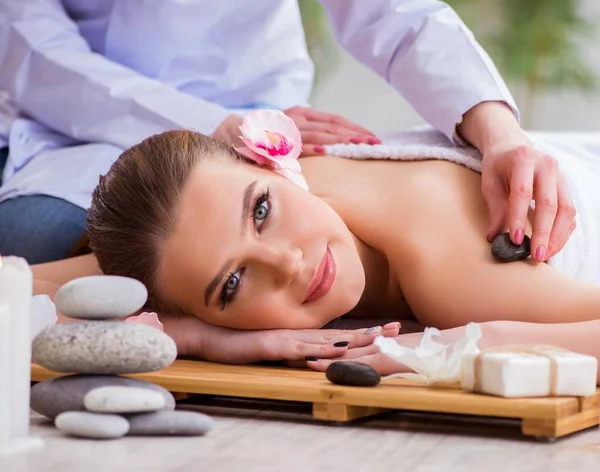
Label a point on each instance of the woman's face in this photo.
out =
(252, 250)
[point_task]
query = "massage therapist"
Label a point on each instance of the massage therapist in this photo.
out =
(93, 78)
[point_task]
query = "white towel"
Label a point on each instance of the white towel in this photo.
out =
(578, 156)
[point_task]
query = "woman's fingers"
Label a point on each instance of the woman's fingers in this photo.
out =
(348, 354)
(355, 338)
(312, 344)
(380, 362)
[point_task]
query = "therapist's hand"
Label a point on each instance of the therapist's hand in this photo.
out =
(317, 129)
(513, 174)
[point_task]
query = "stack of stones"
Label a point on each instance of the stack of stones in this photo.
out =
(95, 401)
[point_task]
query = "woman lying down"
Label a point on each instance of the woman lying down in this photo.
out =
(237, 242)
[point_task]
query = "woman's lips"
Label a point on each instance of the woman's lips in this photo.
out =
(323, 280)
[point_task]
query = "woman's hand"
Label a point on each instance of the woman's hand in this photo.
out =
(317, 129)
(199, 339)
(370, 355)
(494, 333)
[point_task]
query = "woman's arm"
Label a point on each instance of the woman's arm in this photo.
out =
(196, 338)
(450, 278)
(576, 337)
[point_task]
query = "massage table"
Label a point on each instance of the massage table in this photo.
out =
(542, 418)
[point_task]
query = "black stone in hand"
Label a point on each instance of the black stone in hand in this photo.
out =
(505, 250)
(352, 373)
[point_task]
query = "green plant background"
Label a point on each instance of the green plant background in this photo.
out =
(534, 43)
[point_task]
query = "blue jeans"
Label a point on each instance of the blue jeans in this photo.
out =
(38, 228)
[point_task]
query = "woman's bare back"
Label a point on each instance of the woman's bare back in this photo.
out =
(429, 219)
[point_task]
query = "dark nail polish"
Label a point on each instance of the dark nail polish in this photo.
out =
(342, 344)
(311, 358)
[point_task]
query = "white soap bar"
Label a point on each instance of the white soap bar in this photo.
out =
(518, 374)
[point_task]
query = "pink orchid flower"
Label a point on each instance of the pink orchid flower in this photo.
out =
(147, 318)
(274, 141)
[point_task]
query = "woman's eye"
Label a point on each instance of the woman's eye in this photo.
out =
(261, 212)
(230, 288)
(232, 283)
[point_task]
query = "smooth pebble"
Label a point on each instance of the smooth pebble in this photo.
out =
(505, 250)
(99, 297)
(55, 396)
(122, 400)
(83, 424)
(169, 423)
(352, 373)
(103, 347)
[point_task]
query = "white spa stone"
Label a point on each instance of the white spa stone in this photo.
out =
(100, 297)
(103, 347)
(115, 399)
(83, 424)
(170, 423)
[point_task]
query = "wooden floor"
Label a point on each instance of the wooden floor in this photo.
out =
(263, 436)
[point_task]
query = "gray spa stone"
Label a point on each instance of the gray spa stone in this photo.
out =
(119, 399)
(352, 373)
(55, 396)
(169, 423)
(505, 250)
(83, 424)
(103, 347)
(100, 297)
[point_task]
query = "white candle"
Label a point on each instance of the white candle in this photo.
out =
(16, 291)
(5, 358)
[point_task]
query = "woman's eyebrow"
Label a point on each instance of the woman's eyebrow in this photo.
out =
(214, 283)
(246, 205)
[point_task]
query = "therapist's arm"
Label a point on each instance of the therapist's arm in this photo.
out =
(424, 50)
(51, 73)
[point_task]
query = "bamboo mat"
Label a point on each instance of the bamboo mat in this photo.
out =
(540, 417)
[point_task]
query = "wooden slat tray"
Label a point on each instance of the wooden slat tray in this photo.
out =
(540, 417)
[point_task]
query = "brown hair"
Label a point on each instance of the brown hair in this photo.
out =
(133, 207)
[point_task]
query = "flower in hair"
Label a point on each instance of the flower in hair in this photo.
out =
(273, 140)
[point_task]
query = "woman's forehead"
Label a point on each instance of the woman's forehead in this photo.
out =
(207, 225)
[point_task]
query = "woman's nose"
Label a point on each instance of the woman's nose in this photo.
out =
(286, 262)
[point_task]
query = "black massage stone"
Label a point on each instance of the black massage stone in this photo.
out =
(505, 250)
(352, 373)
